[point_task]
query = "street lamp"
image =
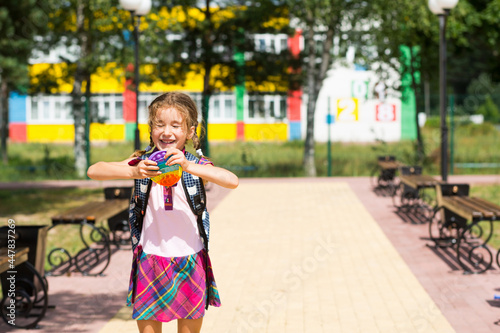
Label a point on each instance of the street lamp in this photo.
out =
(442, 8)
(137, 8)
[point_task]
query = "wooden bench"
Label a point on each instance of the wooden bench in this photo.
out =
(410, 197)
(20, 256)
(94, 258)
(465, 222)
(30, 304)
(384, 174)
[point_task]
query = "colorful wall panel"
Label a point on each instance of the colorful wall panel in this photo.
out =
(17, 117)
(266, 132)
(107, 132)
(50, 133)
(221, 132)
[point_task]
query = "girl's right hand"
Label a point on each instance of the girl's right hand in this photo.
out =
(147, 169)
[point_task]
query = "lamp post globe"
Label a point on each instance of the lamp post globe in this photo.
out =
(447, 4)
(130, 5)
(435, 8)
(144, 8)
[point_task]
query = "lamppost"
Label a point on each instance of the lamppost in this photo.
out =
(137, 8)
(442, 8)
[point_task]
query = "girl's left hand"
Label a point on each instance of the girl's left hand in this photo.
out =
(177, 157)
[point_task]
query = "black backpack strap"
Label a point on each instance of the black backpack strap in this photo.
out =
(198, 205)
(140, 208)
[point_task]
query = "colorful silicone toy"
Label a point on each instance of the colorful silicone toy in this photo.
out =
(170, 174)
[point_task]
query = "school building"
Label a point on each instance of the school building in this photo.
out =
(354, 105)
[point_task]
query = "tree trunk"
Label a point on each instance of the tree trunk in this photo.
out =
(4, 117)
(315, 79)
(77, 96)
(309, 163)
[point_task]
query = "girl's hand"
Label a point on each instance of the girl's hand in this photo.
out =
(147, 169)
(177, 157)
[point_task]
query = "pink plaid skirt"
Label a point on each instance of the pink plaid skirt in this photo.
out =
(164, 289)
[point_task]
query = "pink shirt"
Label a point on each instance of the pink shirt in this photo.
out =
(170, 233)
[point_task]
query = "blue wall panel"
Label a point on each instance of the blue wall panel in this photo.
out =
(17, 108)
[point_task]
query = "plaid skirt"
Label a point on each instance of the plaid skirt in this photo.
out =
(164, 289)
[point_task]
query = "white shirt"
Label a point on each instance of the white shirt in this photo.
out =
(170, 233)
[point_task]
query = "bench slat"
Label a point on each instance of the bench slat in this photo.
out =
(417, 181)
(489, 205)
(388, 164)
(469, 202)
(466, 212)
(93, 212)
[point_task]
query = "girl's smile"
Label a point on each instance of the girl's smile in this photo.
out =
(170, 130)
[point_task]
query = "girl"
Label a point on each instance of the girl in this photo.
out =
(171, 274)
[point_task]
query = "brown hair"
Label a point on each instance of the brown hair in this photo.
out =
(181, 102)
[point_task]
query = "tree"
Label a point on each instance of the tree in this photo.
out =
(403, 44)
(472, 37)
(89, 32)
(324, 19)
(212, 34)
(19, 24)
(473, 43)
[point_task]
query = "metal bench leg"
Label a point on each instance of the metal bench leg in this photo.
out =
(27, 306)
(95, 254)
(473, 254)
(443, 233)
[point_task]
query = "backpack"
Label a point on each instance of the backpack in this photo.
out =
(195, 193)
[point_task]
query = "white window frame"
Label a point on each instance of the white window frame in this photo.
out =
(66, 118)
(225, 115)
(50, 100)
(272, 42)
(100, 99)
(269, 115)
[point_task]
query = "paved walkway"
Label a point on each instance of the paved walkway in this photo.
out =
(295, 255)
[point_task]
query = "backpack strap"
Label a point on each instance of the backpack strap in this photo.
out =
(138, 204)
(196, 194)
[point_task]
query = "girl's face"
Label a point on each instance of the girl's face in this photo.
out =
(170, 130)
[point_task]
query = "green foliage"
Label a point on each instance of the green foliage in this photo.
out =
(489, 110)
(91, 33)
(38, 162)
(483, 98)
(18, 27)
(485, 129)
(213, 38)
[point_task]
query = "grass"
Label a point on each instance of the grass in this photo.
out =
(473, 144)
(37, 206)
(492, 194)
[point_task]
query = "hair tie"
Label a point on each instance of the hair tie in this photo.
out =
(199, 152)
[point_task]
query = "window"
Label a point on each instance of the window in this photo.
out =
(284, 44)
(119, 110)
(46, 110)
(67, 111)
(34, 109)
(228, 109)
(58, 110)
(282, 113)
(261, 46)
(106, 110)
(222, 108)
(267, 107)
(216, 111)
(94, 111)
(143, 111)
